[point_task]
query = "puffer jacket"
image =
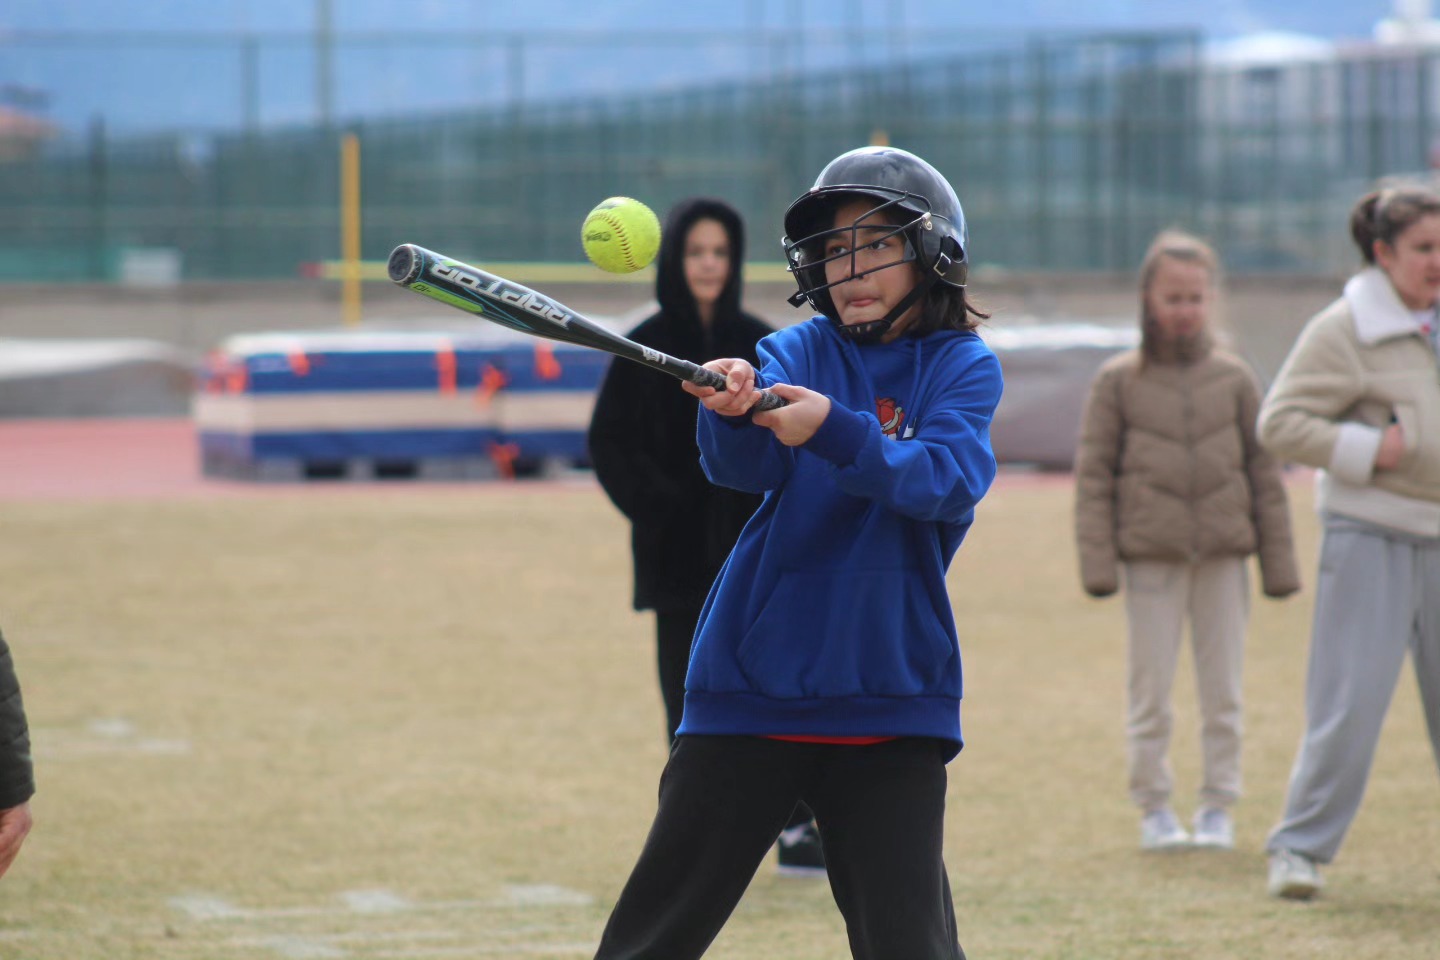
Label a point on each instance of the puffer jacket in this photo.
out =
(17, 775)
(1362, 363)
(1169, 469)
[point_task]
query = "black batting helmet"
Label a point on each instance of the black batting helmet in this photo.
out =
(907, 191)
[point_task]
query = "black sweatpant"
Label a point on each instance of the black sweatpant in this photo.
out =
(723, 801)
(674, 632)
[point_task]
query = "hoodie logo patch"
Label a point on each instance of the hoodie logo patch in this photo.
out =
(891, 416)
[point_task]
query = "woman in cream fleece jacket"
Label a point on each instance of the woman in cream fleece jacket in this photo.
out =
(1359, 399)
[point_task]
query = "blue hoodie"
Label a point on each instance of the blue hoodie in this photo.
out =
(831, 617)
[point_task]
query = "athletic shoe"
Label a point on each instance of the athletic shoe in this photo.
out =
(1214, 828)
(1293, 876)
(1159, 830)
(800, 852)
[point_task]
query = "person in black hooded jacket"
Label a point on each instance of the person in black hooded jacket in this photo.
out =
(643, 447)
(17, 775)
(642, 433)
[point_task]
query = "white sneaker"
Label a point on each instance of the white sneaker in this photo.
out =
(1293, 876)
(1160, 830)
(1214, 828)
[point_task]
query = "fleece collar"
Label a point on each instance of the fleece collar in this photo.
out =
(1379, 312)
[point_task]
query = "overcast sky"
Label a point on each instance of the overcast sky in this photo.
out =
(1333, 19)
(145, 65)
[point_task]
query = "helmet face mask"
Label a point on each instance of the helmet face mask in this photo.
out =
(910, 196)
(808, 257)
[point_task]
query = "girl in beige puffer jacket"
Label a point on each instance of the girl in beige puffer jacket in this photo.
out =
(1174, 491)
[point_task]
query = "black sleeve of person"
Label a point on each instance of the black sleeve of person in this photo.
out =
(625, 449)
(17, 771)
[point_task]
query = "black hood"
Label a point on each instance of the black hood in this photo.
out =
(677, 304)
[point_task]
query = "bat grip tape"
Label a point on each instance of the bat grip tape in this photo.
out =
(709, 378)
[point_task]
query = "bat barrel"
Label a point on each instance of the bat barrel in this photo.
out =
(406, 262)
(518, 307)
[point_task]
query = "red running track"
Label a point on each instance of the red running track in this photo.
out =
(158, 459)
(85, 459)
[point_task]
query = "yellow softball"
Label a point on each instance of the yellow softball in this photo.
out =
(621, 235)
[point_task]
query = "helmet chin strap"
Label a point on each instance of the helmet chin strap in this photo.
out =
(872, 330)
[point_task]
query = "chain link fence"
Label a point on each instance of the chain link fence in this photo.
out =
(1067, 152)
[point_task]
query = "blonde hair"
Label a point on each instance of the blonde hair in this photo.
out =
(1182, 247)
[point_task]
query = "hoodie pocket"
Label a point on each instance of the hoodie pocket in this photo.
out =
(837, 634)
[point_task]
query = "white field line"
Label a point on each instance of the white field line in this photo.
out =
(298, 948)
(104, 735)
(334, 946)
(205, 907)
(50, 750)
(305, 948)
(402, 936)
(509, 950)
(355, 904)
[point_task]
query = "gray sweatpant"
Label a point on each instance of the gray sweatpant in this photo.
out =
(1377, 596)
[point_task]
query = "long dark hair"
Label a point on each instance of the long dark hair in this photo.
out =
(1382, 215)
(946, 307)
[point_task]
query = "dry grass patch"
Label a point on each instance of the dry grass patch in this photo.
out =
(298, 707)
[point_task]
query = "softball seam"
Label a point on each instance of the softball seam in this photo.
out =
(619, 229)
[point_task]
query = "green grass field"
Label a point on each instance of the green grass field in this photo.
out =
(411, 722)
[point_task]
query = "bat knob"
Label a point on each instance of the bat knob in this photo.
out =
(405, 263)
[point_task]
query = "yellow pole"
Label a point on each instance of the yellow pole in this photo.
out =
(350, 228)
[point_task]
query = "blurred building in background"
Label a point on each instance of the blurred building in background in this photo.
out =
(1069, 150)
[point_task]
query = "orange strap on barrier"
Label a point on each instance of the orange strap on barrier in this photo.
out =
(445, 363)
(504, 456)
(492, 380)
(546, 366)
(299, 363)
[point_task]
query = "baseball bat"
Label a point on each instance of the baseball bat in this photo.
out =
(518, 307)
